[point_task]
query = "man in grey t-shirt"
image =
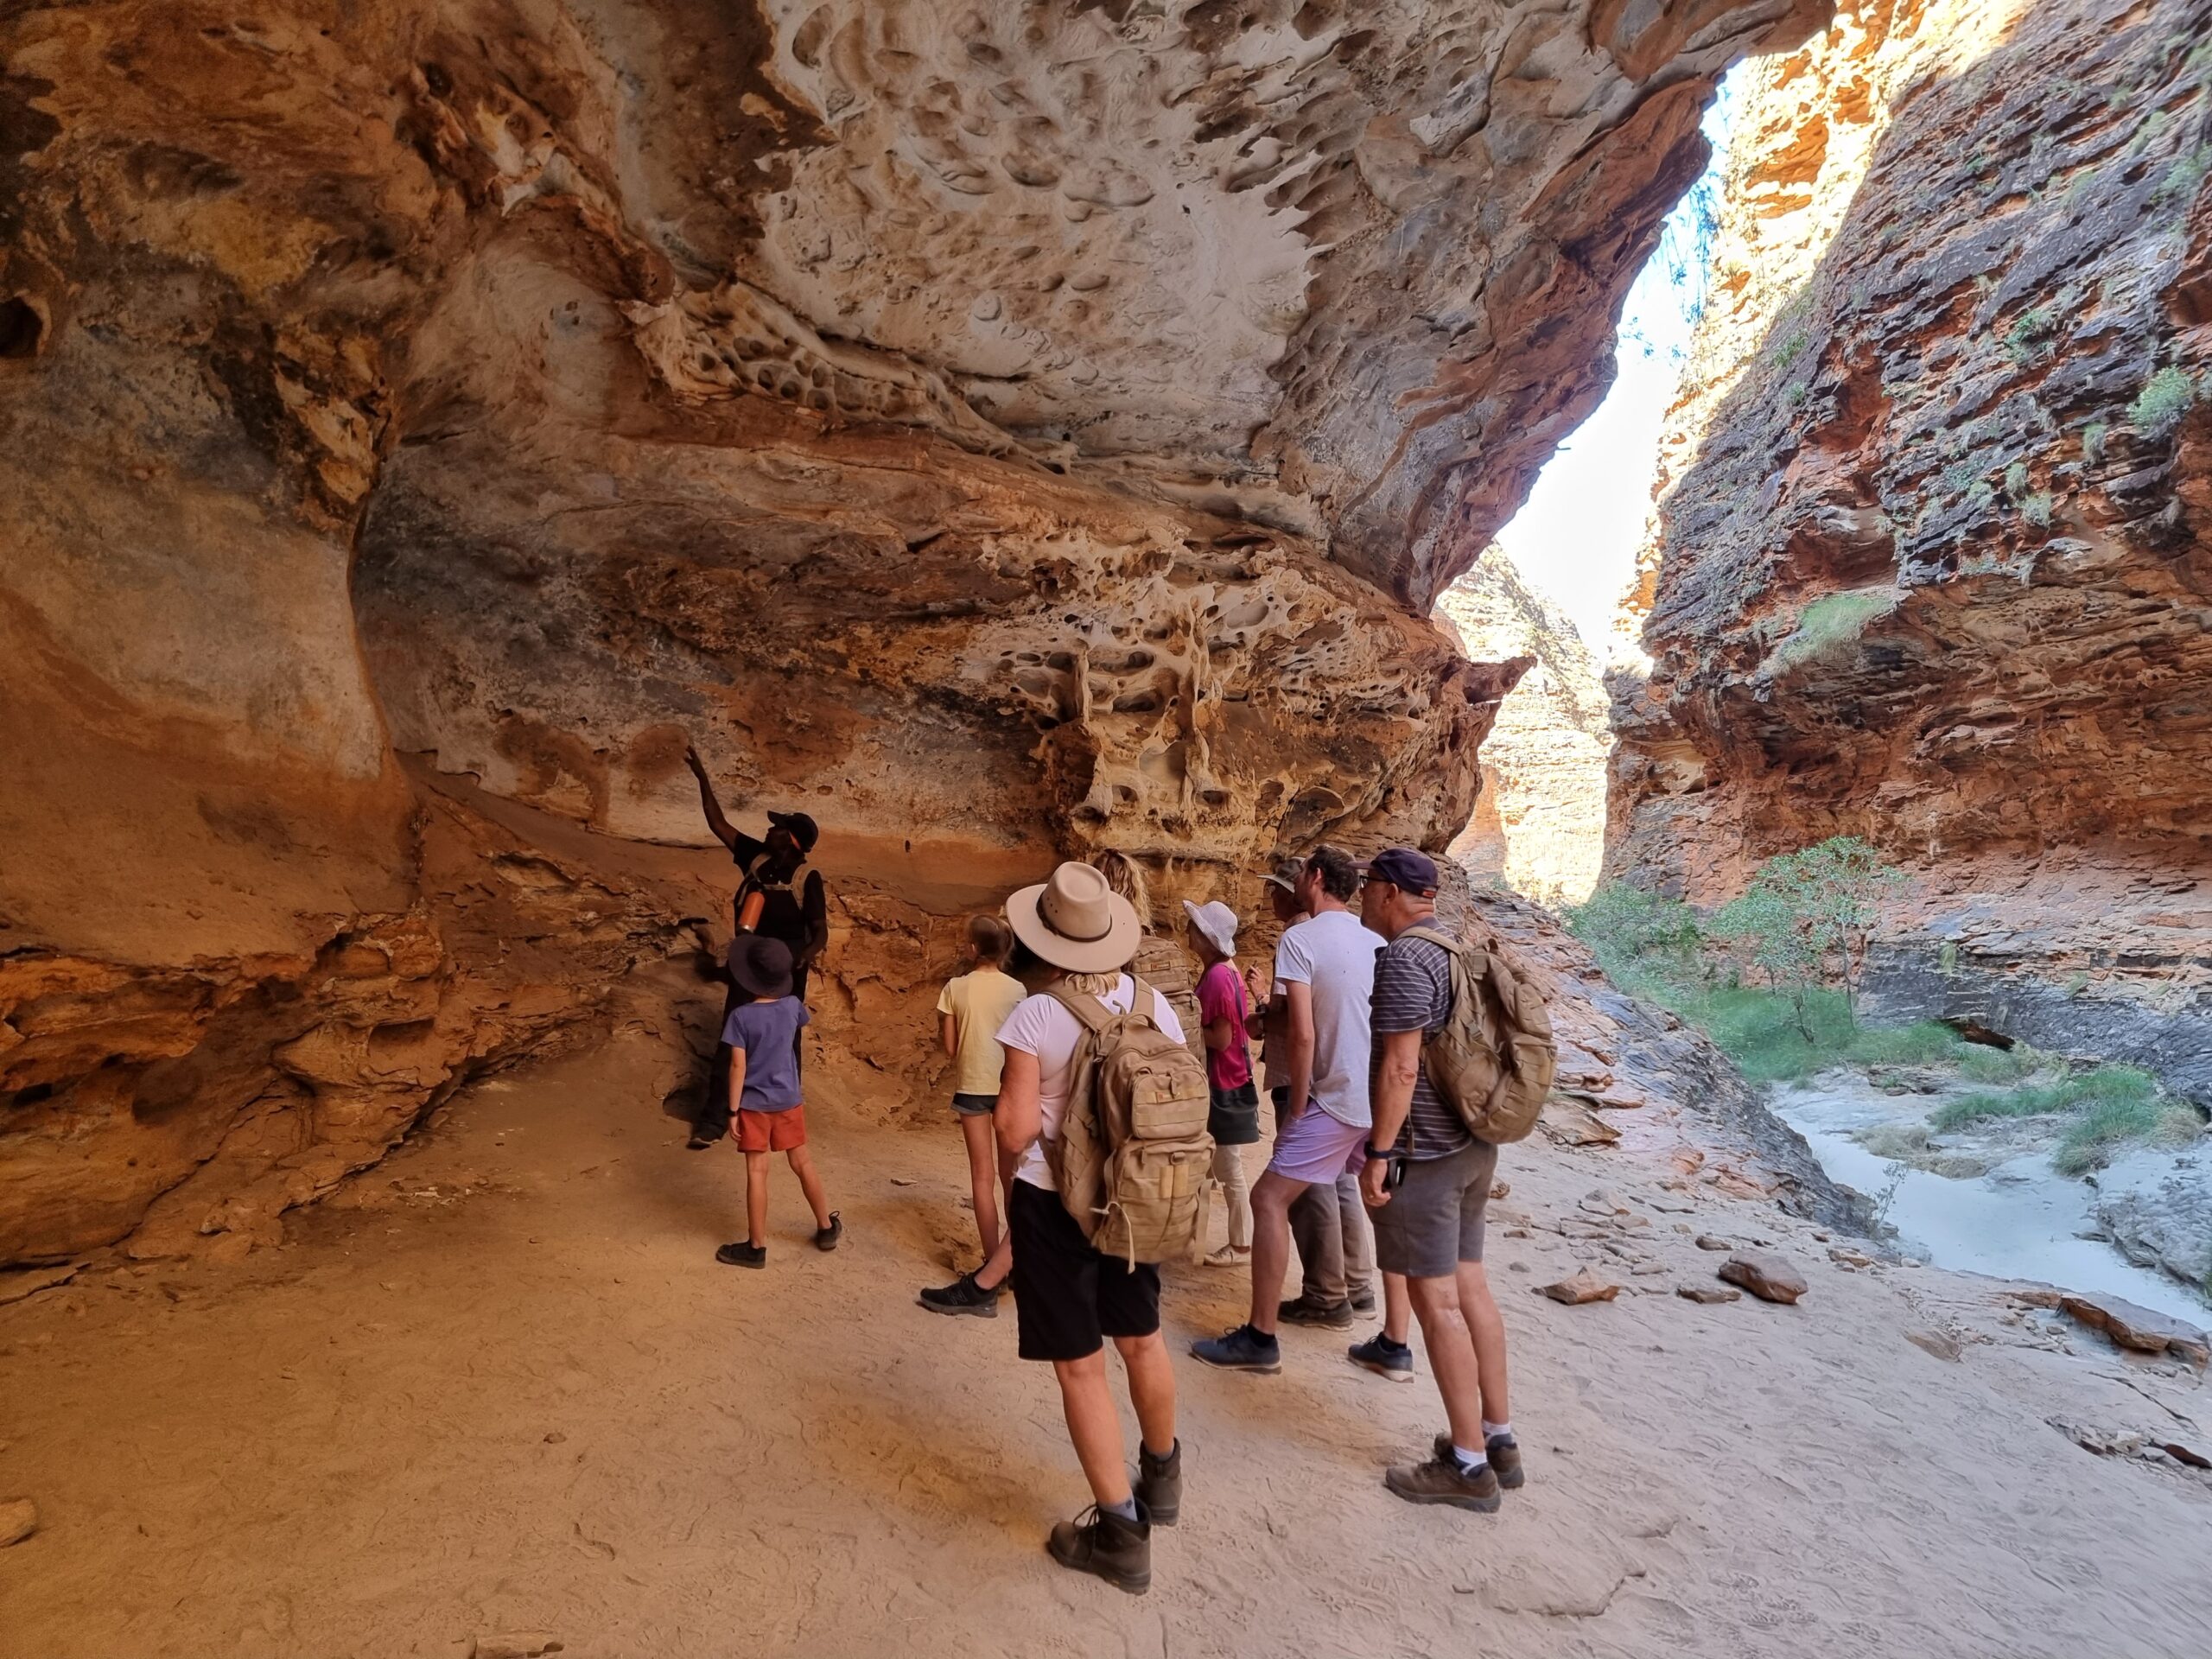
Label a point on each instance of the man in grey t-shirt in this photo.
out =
(1326, 965)
(1426, 1182)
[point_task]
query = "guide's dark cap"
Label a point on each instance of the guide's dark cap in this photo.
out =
(803, 828)
(762, 966)
(1401, 866)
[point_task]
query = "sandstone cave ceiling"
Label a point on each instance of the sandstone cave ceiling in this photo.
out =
(629, 362)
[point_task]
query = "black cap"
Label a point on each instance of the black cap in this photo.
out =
(761, 965)
(803, 828)
(1401, 866)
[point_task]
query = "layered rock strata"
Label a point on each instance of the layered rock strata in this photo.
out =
(1540, 822)
(1931, 561)
(1001, 430)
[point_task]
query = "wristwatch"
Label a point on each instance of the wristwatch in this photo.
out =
(1381, 1157)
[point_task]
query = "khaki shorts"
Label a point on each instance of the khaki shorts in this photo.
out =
(1434, 1219)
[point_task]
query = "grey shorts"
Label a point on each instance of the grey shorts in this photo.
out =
(975, 1105)
(1434, 1219)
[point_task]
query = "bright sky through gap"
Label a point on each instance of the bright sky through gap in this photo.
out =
(1575, 540)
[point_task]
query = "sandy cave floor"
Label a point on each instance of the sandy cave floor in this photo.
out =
(502, 1385)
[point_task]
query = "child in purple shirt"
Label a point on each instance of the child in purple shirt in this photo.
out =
(1234, 1117)
(762, 1034)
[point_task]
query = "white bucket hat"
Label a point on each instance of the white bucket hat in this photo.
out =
(1217, 921)
(1075, 921)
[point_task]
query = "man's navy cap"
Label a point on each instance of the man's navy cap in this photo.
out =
(1401, 866)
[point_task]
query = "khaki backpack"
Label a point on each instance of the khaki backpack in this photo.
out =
(1134, 1163)
(1494, 1059)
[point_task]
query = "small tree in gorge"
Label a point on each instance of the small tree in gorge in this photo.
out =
(1802, 907)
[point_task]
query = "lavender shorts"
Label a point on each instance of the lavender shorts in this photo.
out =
(1317, 1148)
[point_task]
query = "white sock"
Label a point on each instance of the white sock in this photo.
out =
(1127, 1509)
(1496, 1431)
(1470, 1463)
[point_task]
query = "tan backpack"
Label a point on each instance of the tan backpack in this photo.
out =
(1133, 1161)
(1494, 1059)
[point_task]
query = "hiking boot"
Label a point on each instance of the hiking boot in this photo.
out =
(700, 1140)
(1241, 1349)
(1363, 1301)
(1100, 1541)
(964, 1295)
(1385, 1357)
(1159, 1485)
(1441, 1480)
(825, 1238)
(1335, 1315)
(1504, 1454)
(741, 1255)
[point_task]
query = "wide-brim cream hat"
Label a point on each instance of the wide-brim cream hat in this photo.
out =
(1076, 922)
(1217, 921)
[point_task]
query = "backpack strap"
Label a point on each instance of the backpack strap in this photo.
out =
(1094, 1015)
(1434, 935)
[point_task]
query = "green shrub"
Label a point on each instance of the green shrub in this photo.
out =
(2093, 441)
(1930, 1042)
(2164, 399)
(1625, 925)
(2037, 509)
(2016, 479)
(2029, 337)
(2092, 1139)
(1831, 620)
(1979, 1063)
(2110, 1089)
(2183, 177)
(1790, 349)
(1759, 1030)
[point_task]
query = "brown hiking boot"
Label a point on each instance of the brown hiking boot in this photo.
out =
(1440, 1480)
(1504, 1455)
(1100, 1541)
(1159, 1486)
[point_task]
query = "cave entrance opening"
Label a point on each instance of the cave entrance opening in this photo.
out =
(1552, 584)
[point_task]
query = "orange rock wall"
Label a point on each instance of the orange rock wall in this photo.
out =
(1002, 431)
(1928, 566)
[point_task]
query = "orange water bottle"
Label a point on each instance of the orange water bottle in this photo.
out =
(749, 909)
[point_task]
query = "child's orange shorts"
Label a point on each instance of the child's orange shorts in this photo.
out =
(772, 1131)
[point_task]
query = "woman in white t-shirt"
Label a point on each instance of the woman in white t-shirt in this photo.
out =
(1068, 1298)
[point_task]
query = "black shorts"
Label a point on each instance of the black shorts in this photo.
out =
(1070, 1298)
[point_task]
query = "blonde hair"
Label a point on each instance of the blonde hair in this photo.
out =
(1093, 984)
(1123, 876)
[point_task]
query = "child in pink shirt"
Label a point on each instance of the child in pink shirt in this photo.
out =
(1234, 1118)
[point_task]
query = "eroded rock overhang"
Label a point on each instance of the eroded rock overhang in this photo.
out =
(1036, 426)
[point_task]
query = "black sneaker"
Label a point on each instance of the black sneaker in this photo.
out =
(1241, 1349)
(1100, 1541)
(699, 1142)
(1159, 1485)
(825, 1238)
(964, 1295)
(1363, 1301)
(1335, 1315)
(1385, 1357)
(741, 1255)
(1504, 1454)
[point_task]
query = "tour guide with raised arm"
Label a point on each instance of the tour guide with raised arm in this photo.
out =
(779, 898)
